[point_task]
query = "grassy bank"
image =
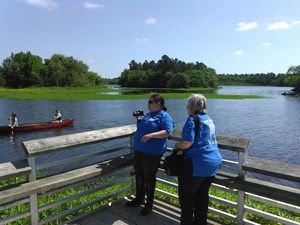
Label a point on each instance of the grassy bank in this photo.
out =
(103, 93)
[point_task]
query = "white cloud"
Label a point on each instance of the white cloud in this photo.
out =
(90, 5)
(265, 44)
(239, 52)
(150, 20)
(45, 4)
(278, 25)
(141, 39)
(295, 22)
(246, 26)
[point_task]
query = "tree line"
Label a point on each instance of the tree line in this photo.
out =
(291, 78)
(168, 73)
(23, 70)
(259, 79)
(174, 73)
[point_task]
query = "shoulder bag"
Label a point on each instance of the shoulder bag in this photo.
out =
(174, 163)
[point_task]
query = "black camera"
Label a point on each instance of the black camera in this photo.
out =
(138, 113)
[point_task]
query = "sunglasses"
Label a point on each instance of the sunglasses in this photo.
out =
(150, 102)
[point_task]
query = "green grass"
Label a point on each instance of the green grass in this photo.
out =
(103, 93)
(43, 201)
(54, 197)
(233, 198)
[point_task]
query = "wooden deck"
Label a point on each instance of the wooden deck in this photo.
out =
(116, 161)
(118, 214)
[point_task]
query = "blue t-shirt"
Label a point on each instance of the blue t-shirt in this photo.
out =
(204, 151)
(153, 122)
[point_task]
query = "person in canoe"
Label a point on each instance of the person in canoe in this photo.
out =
(13, 120)
(57, 116)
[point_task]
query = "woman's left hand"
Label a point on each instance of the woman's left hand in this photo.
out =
(146, 138)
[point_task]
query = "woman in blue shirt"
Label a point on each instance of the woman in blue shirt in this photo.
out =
(150, 143)
(202, 162)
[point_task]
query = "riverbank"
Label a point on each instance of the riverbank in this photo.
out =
(104, 93)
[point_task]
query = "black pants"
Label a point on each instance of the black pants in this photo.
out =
(146, 165)
(193, 198)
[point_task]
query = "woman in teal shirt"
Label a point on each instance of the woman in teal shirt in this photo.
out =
(202, 162)
(150, 143)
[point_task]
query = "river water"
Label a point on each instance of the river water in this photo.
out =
(272, 123)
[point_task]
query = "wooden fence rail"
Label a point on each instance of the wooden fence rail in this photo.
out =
(89, 178)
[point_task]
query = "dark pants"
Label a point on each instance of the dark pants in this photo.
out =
(146, 165)
(193, 198)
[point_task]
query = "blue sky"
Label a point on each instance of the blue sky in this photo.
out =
(231, 36)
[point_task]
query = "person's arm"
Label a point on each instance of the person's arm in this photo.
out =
(182, 145)
(56, 116)
(158, 134)
(15, 123)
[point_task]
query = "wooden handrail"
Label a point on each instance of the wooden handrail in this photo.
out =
(272, 168)
(236, 144)
(52, 144)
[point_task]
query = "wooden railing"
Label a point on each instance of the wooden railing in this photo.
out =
(262, 191)
(114, 169)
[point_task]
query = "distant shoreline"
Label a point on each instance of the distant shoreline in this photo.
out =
(104, 93)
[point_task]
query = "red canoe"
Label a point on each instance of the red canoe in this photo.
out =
(36, 126)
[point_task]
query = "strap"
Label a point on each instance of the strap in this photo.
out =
(197, 123)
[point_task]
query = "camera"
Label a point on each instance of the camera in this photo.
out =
(138, 113)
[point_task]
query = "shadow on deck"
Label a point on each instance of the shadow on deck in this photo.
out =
(118, 214)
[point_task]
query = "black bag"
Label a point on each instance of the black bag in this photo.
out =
(174, 164)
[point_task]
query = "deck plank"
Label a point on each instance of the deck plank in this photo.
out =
(118, 214)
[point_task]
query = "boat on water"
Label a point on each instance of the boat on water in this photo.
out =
(36, 126)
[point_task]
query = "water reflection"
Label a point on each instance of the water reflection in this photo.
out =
(13, 139)
(126, 91)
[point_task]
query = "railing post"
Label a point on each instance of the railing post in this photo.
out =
(240, 208)
(242, 158)
(131, 144)
(33, 198)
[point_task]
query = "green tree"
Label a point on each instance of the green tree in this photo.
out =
(197, 78)
(137, 78)
(22, 70)
(123, 79)
(178, 80)
(133, 65)
(293, 78)
(1, 77)
(94, 79)
(168, 72)
(165, 64)
(65, 71)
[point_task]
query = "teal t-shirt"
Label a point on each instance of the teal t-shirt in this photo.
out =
(204, 151)
(149, 123)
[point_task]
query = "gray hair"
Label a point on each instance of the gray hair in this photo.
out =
(197, 103)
